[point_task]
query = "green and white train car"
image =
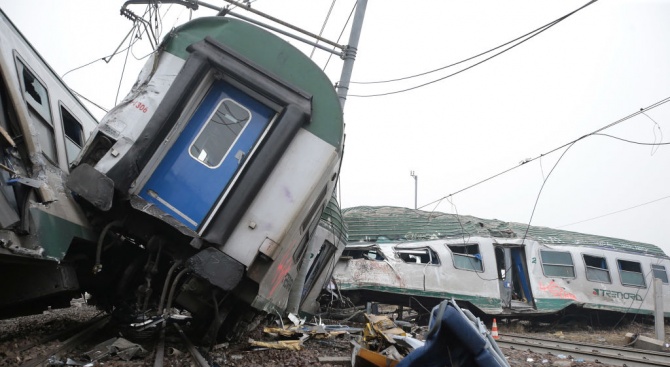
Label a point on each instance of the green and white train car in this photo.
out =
(404, 256)
(42, 229)
(219, 163)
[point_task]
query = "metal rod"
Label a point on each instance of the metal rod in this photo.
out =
(416, 184)
(160, 349)
(350, 52)
(278, 21)
(287, 34)
(191, 348)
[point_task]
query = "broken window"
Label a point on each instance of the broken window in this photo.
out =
(74, 134)
(631, 273)
(659, 273)
(596, 269)
(467, 257)
(557, 264)
(219, 133)
(418, 256)
(365, 253)
(36, 97)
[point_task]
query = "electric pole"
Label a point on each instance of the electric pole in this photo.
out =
(416, 178)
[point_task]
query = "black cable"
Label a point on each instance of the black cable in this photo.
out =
(618, 211)
(537, 199)
(323, 26)
(630, 141)
(652, 106)
(89, 101)
(475, 64)
(341, 33)
(124, 69)
(464, 60)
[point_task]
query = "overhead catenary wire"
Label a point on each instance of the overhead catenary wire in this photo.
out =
(330, 10)
(351, 13)
(615, 212)
(625, 118)
(528, 36)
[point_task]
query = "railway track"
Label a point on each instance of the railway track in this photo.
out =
(85, 337)
(613, 355)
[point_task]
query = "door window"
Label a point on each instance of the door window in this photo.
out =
(219, 133)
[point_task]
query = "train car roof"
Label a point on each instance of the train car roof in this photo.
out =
(274, 55)
(394, 224)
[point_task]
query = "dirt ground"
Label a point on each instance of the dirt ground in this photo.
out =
(24, 338)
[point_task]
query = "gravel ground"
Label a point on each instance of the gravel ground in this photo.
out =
(29, 333)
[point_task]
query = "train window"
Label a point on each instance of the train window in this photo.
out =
(366, 253)
(74, 134)
(596, 269)
(659, 272)
(36, 97)
(218, 135)
(631, 273)
(467, 257)
(557, 264)
(418, 256)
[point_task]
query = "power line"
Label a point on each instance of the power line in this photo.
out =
(652, 106)
(537, 30)
(341, 33)
(533, 34)
(615, 212)
(323, 26)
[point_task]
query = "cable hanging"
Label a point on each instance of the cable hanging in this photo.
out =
(596, 132)
(524, 38)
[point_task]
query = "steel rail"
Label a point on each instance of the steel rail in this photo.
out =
(160, 349)
(199, 359)
(617, 356)
(71, 342)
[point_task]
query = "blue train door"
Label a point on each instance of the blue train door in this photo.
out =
(208, 154)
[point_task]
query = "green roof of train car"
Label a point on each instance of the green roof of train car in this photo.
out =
(380, 224)
(274, 55)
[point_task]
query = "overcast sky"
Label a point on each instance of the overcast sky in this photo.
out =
(596, 67)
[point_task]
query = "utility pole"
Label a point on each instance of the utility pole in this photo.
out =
(350, 51)
(416, 183)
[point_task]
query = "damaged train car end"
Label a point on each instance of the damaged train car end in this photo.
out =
(208, 179)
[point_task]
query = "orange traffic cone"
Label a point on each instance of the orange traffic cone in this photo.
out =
(494, 330)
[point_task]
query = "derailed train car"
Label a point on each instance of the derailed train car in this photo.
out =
(211, 175)
(42, 128)
(403, 256)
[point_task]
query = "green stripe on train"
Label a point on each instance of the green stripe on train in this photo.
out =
(56, 234)
(483, 303)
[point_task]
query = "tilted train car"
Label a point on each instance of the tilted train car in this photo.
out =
(212, 175)
(403, 256)
(42, 129)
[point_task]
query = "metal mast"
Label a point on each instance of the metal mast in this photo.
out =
(350, 51)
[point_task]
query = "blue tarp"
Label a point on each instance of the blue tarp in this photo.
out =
(455, 338)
